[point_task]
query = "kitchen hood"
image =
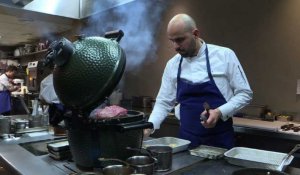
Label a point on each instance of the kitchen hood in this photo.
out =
(26, 21)
(76, 9)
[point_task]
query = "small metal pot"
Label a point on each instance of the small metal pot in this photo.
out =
(163, 154)
(122, 168)
(20, 124)
(142, 164)
(118, 170)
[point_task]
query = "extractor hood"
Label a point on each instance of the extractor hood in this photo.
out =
(24, 21)
(76, 9)
(21, 3)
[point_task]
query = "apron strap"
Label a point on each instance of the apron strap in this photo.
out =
(208, 65)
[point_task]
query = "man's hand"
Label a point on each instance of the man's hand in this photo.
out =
(214, 115)
(147, 132)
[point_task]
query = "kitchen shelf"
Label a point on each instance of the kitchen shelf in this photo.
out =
(29, 54)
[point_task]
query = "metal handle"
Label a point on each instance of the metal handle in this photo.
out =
(130, 126)
(149, 153)
(206, 107)
(286, 158)
(116, 34)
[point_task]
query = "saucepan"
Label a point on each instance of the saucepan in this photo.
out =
(142, 164)
(161, 153)
(119, 169)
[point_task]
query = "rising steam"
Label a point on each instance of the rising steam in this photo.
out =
(139, 21)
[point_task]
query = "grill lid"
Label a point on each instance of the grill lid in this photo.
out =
(87, 70)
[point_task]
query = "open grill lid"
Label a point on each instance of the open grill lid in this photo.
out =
(87, 70)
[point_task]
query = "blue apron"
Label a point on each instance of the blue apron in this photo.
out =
(191, 97)
(56, 113)
(5, 105)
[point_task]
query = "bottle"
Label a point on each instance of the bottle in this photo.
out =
(40, 110)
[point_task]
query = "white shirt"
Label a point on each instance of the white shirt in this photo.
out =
(4, 83)
(47, 91)
(227, 73)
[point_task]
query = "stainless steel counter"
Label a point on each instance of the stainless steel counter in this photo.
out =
(21, 161)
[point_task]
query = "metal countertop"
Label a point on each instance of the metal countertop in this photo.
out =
(183, 163)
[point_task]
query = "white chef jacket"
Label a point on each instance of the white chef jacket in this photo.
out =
(227, 73)
(4, 83)
(47, 91)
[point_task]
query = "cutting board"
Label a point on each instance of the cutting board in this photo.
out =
(259, 124)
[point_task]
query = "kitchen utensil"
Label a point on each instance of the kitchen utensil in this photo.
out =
(263, 171)
(35, 121)
(142, 164)
(141, 150)
(287, 157)
(255, 158)
(206, 107)
(61, 145)
(176, 144)
(19, 124)
(163, 154)
(117, 169)
(209, 152)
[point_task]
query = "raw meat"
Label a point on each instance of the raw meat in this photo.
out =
(110, 112)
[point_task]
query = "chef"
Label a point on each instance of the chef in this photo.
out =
(199, 74)
(48, 96)
(6, 87)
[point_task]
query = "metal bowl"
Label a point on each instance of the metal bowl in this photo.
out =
(118, 170)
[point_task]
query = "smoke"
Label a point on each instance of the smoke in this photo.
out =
(139, 20)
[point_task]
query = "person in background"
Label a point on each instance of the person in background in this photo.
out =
(200, 75)
(6, 87)
(48, 96)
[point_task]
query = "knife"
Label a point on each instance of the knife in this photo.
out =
(206, 107)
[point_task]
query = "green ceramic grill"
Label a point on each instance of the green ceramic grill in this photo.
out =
(87, 70)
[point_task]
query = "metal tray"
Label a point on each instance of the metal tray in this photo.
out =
(176, 143)
(255, 158)
(209, 152)
(58, 145)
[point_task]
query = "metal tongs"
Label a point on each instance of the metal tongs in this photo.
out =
(207, 108)
(286, 158)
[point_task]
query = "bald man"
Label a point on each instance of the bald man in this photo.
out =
(200, 75)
